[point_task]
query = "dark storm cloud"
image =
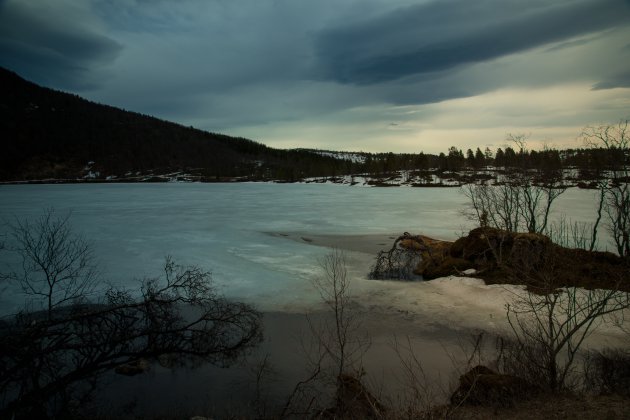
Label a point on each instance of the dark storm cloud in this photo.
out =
(438, 36)
(617, 81)
(52, 48)
(226, 65)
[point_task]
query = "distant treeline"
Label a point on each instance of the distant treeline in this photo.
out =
(588, 160)
(49, 134)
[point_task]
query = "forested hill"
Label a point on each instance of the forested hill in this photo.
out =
(53, 136)
(49, 134)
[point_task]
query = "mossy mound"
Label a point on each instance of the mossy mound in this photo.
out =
(532, 259)
(487, 247)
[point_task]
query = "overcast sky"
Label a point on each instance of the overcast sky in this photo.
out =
(371, 75)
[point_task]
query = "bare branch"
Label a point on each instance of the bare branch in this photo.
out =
(52, 354)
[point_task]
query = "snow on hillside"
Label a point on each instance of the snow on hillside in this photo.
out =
(351, 156)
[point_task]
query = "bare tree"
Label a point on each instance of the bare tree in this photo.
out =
(537, 202)
(339, 338)
(494, 205)
(418, 394)
(618, 212)
(598, 218)
(615, 190)
(612, 137)
(57, 265)
(332, 348)
(550, 327)
(305, 393)
(522, 201)
(264, 373)
(51, 357)
(572, 234)
(515, 205)
(339, 347)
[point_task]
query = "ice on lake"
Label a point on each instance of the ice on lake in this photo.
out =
(224, 228)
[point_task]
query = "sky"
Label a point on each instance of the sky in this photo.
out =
(354, 75)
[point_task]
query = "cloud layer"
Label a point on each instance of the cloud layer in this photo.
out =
(342, 74)
(56, 45)
(438, 36)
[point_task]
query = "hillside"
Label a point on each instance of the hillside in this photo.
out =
(49, 135)
(52, 136)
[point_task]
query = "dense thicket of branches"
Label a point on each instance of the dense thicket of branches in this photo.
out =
(522, 200)
(56, 267)
(614, 184)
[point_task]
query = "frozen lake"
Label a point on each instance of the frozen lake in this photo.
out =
(236, 231)
(224, 228)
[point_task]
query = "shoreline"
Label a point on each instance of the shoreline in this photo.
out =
(364, 243)
(466, 303)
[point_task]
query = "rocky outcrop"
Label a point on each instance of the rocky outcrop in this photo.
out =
(483, 386)
(353, 401)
